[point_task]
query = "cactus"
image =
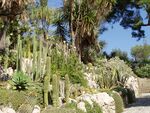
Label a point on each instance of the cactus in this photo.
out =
(44, 58)
(39, 59)
(19, 53)
(67, 87)
(47, 80)
(46, 85)
(55, 85)
(34, 57)
(28, 49)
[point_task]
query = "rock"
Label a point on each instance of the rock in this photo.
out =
(10, 71)
(4, 77)
(8, 110)
(81, 106)
(1, 111)
(105, 101)
(72, 100)
(132, 83)
(36, 109)
(87, 98)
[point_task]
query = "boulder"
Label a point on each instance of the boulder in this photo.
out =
(36, 109)
(8, 110)
(105, 101)
(10, 71)
(1, 111)
(81, 106)
(132, 83)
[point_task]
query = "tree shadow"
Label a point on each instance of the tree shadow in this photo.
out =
(144, 100)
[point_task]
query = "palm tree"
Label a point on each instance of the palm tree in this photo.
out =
(84, 18)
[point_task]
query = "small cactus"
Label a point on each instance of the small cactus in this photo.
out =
(47, 81)
(55, 96)
(67, 87)
(46, 87)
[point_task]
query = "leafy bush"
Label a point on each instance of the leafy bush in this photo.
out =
(10, 61)
(112, 73)
(15, 98)
(65, 61)
(20, 81)
(25, 108)
(95, 109)
(143, 71)
(119, 105)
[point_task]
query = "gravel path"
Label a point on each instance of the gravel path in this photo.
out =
(142, 105)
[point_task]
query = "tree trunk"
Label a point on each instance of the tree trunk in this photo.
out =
(71, 23)
(3, 32)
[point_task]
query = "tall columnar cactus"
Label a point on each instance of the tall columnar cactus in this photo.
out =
(39, 58)
(28, 49)
(46, 87)
(19, 53)
(47, 81)
(44, 58)
(55, 85)
(67, 88)
(34, 57)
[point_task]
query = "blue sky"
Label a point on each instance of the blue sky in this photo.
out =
(116, 37)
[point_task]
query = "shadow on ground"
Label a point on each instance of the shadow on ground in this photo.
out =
(144, 100)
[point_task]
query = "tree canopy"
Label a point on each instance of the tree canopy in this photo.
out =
(129, 13)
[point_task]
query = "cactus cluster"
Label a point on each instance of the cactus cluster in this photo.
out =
(42, 58)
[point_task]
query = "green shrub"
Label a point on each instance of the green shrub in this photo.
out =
(66, 62)
(119, 105)
(95, 109)
(111, 73)
(25, 108)
(15, 98)
(121, 90)
(20, 81)
(143, 71)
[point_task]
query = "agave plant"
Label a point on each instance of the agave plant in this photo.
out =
(20, 81)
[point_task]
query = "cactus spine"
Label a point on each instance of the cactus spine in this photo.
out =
(19, 53)
(67, 87)
(55, 96)
(47, 81)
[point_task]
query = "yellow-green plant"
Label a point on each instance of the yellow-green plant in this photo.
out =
(55, 92)
(19, 53)
(67, 88)
(47, 81)
(119, 105)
